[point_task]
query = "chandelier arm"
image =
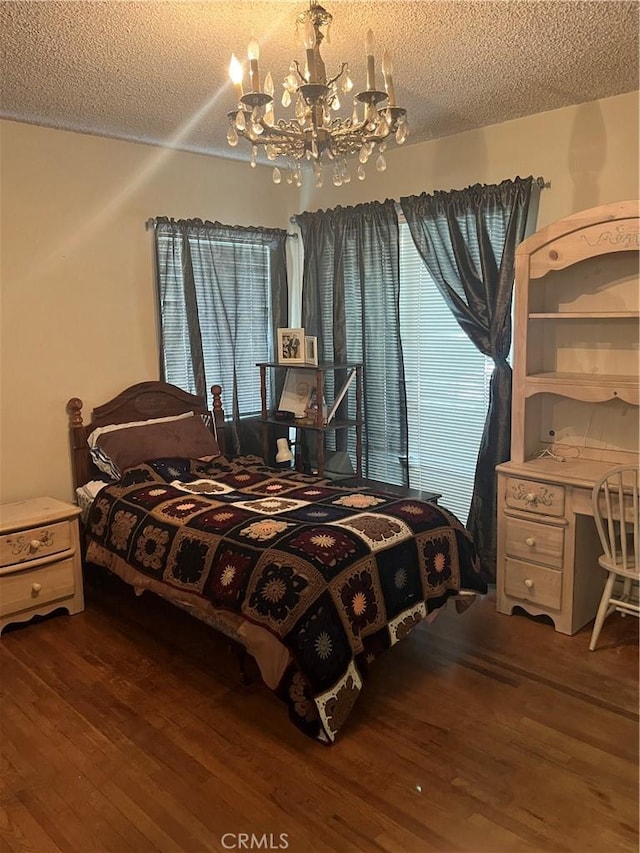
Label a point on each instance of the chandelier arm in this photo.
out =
(338, 75)
(275, 136)
(300, 74)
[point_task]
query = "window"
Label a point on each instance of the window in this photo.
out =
(228, 299)
(447, 382)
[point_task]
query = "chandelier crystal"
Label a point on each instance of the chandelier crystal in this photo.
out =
(314, 133)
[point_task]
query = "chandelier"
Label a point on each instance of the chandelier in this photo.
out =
(314, 134)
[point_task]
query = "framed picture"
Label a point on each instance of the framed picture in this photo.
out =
(310, 350)
(297, 390)
(290, 346)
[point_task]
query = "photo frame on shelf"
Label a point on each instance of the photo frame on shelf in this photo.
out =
(290, 346)
(296, 392)
(310, 350)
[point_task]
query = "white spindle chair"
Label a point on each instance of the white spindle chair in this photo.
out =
(619, 533)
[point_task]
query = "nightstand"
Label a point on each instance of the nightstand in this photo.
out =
(40, 565)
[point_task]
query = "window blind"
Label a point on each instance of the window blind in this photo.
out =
(232, 283)
(447, 383)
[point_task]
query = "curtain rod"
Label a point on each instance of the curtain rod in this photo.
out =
(542, 184)
(150, 224)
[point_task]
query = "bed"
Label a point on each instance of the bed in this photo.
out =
(313, 578)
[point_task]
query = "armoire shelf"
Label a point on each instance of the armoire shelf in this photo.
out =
(586, 315)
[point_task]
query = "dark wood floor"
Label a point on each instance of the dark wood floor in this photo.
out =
(126, 728)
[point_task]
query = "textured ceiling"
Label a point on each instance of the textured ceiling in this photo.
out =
(157, 71)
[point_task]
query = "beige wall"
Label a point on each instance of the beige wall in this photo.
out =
(78, 315)
(78, 310)
(588, 152)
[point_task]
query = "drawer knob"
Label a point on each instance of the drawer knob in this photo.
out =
(35, 588)
(530, 541)
(34, 545)
(530, 498)
(528, 583)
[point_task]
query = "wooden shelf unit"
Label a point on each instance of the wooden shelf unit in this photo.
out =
(319, 427)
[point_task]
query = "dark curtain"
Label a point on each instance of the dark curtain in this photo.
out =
(467, 239)
(350, 302)
(206, 275)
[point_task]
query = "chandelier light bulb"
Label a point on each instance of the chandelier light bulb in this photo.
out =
(309, 35)
(371, 68)
(236, 73)
(387, 72)
(310, 43)
(253, 50)
(253, 55)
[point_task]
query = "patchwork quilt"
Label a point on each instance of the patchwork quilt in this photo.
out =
(338, 575)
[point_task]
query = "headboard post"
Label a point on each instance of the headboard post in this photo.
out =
(218, 417)
(81, 459)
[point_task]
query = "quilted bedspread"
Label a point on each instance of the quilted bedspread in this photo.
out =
(337, 574)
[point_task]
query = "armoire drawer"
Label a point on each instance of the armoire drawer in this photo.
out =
(535, 542)
(536, 584)
(531, 496)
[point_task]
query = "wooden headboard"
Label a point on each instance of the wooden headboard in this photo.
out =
(137, 403)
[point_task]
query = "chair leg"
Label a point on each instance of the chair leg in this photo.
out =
(602, 610)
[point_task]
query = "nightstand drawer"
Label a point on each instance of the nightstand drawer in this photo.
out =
(533, 583)
(531, 496)
(24, 590)
(34, 543)
(529, 540)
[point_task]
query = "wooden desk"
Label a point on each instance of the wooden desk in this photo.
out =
(548, 545)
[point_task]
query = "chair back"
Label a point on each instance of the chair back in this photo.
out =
(615, 501)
